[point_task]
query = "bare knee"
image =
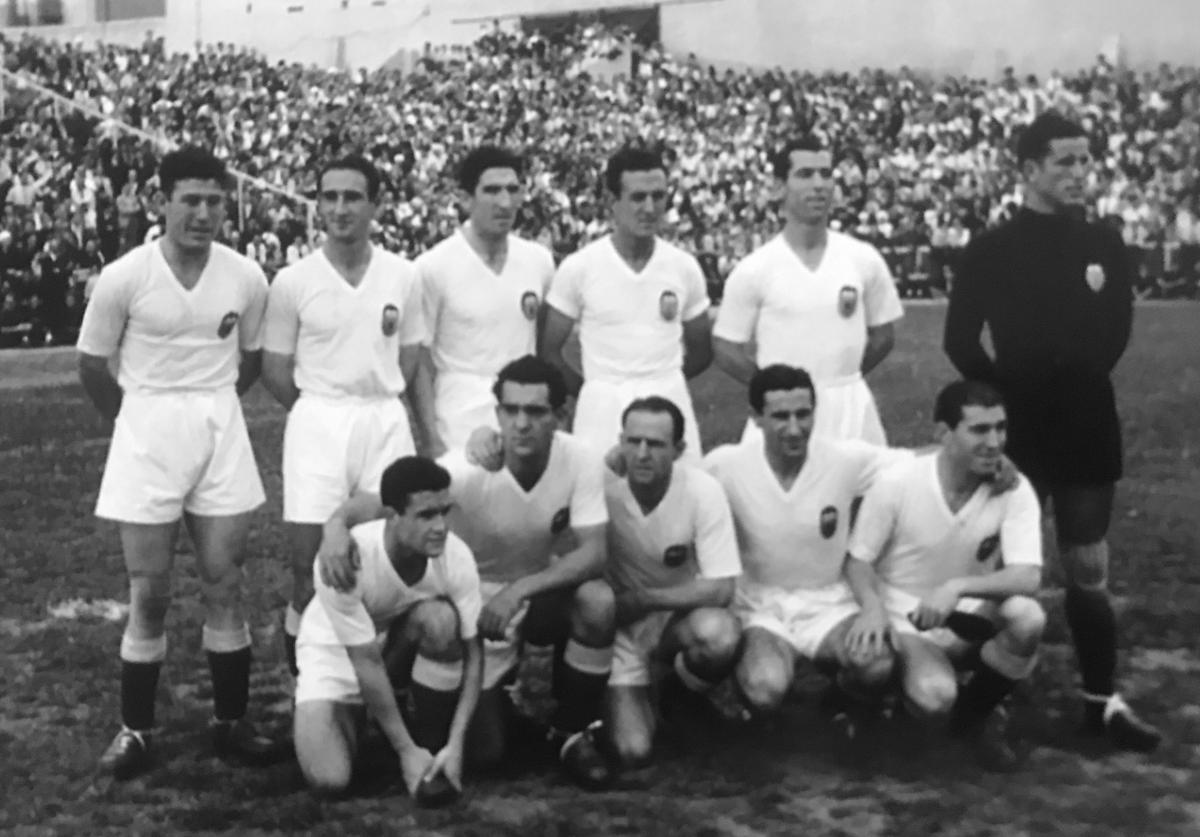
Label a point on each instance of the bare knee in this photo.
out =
(931, 694)
(149, 600)
(763, 686)
(434, 627)
(713, 636)
(593, 610)
(1024, 621)
(873, 673)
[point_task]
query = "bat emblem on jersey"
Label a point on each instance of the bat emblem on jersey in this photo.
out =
(674, 556)
(847, 300)
(828, 521)
(227, 324)
(529, 305)
(391, 320)
(986, 547)
(668, 305)
(561, 520)
(1095, 278)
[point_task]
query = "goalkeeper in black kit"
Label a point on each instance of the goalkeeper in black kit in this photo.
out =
(1054, 291)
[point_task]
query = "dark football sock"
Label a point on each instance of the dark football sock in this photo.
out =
(231, 683)
(433, 699)
(1094, 629)
(139, 683)
(289, 651)
(983, 693)
(583, 676)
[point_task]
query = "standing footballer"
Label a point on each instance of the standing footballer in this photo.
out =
(1054, 292)
(812, 298)
(342, 337)
(184, 315)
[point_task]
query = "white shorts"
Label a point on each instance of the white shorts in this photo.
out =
(501, 656)
(333, 448)
(633, 648)
(326, 673)
(802, 617)
(845, 410)
(463, 402)
(173, 452)
(598, 411)
(900, 604)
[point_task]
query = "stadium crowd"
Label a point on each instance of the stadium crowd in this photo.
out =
(924, 162)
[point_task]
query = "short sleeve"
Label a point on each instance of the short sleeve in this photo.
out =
(462, 586)
(281, 324)
(106, 314)
(347, 614)
(545, 270)
(460, 470)
(716, 540)
(1021, 528)
(881, 301)
(876, 521)
(874, 460)
(431, 296)
(566, 289)
(740, 303)
(697, 301)
(250, 324)
(587, 496)
(412, 327)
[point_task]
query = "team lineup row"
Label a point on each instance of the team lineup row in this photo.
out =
(738, 563)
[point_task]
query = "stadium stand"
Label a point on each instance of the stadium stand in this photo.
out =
(924, 162)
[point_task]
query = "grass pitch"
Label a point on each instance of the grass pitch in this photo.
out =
(58, 662)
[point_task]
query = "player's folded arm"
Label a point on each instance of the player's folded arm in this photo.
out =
(278, 376)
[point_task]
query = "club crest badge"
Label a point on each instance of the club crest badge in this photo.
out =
(391, 320)
(828, 521)
(561, 520)
(1095, 278)
(847, 300)
(668, 305)
(675, 555)
(529, 305)
(227, 324)
(987, 547)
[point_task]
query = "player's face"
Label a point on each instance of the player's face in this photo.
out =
(193, 213)
(494, 205)
(787, 422)
(639, 209)
(978, 441)
(423, 526)
(1060, 177)
(648, 447)
(527, 421)
(808, 190)
(344, 206)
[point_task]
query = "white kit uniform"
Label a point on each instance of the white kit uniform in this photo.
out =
(349, 423)
(477, 321)
(816, 320)
(630, 333)
(180, 441)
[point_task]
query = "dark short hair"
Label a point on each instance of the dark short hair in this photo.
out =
(358, 163)
(948, 408)
(658, 404)
(1034, 141)
(190, 163)
(630, 158)
(530, 369)
(479, 160)
(781, 160)
(779, 377)
(410, 475)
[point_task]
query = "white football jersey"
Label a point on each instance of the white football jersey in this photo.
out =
(816, 320)
(170, 337)
(907, 530)
(630, 324)
(688, 534)
(346, 340)
(379, 596)
(513, 532)
(478, 320)
(796, 539)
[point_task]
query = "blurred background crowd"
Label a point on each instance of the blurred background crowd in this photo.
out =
(924, 162)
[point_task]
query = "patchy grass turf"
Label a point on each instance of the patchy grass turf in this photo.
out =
(58, 702)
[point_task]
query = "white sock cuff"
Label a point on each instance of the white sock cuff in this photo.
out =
(134, 650)
(438, 675)
(1012, 666)
(225, 642)
(587, 659)
(693, 681)
(291, 620)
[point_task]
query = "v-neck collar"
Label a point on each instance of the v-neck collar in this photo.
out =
(461, 232)
(966, 507)
(512, 478)
(337, 274)
(769, 473)
(612, 246)
(812, 271)
(187, 292)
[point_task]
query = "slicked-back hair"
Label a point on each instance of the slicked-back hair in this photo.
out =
(358, 163)
(630, 158)
(410, 475)
(484, 157)
(660, 405)
(530, 369)
(781, 160)
(955, 397)
(779, 377)
(1034, 141)
(190, 163)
